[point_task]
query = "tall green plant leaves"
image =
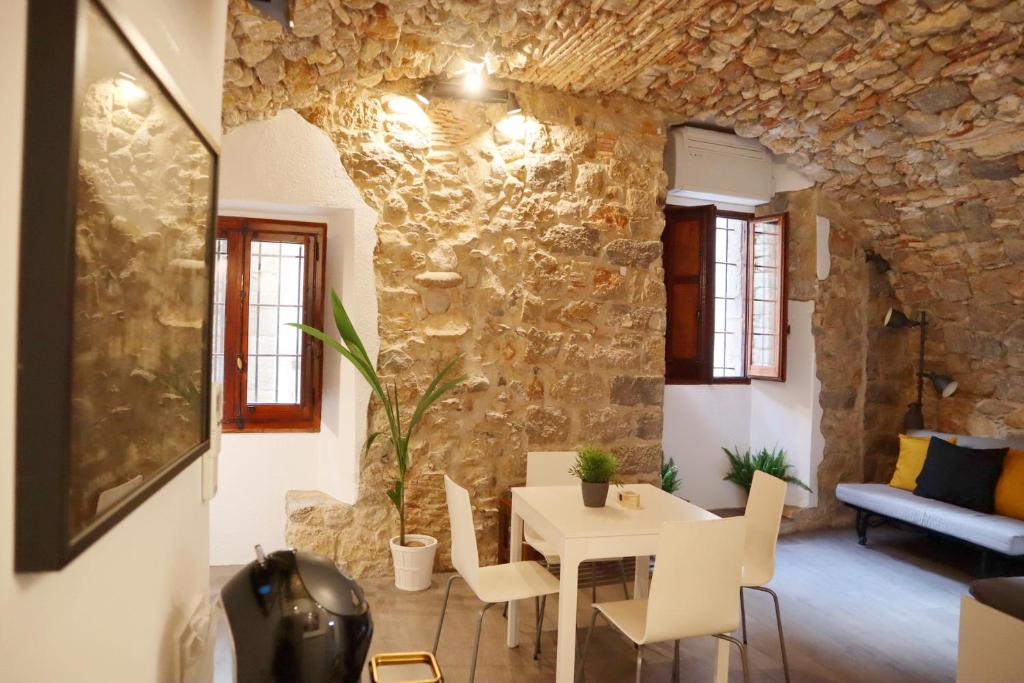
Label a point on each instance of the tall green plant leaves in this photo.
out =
(351, 348)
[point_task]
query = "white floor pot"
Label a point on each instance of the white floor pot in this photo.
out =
(414, 564)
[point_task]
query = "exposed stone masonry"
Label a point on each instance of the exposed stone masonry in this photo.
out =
(530, 246)
(907, 113)
(902, 100)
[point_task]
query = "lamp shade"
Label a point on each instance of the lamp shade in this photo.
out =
(944, 384)
(896, 318)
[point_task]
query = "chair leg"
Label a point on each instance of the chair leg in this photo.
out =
(743, 616)
(539, 603)
(639, 662)
(743, 654)
(675, 663)
(586, 645)
(593, 582)
(444, 608)
(622, 573)
(476, 643)
(504, 611)
(778, 621)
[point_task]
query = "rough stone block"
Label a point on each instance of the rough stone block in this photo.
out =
(631, 390)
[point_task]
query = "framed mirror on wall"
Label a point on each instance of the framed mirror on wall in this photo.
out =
(116, 267)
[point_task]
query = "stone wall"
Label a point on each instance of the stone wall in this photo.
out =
(962, 263)
(529, 245)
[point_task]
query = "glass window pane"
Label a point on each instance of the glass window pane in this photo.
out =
(730, 295)
(287, 380)
(277, 272)
(266, 379)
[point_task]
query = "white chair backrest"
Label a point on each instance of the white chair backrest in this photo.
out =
(550, 468)
(695, 589)
(465, 557)
(764, 516)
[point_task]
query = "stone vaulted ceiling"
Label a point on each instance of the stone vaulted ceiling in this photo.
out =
(914, 102)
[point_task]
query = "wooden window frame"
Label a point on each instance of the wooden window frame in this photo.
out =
(777, 371)
(700, 370)
(697, 370)
(239, 414)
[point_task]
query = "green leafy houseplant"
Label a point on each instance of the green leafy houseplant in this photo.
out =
(670, 476)
(351, 348)
(594, 465)
(773, 462)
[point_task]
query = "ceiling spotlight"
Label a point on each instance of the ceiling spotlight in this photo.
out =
(895, 318)
(513, 105)
(473, 78)
(944, 384)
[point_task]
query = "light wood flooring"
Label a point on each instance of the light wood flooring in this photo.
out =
(884, 613)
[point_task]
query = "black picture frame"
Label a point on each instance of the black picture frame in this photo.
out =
(54, 91)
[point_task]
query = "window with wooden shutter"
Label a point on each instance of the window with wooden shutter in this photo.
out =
(268, 273)
(688, 261)
(725, 282)
(767, 322)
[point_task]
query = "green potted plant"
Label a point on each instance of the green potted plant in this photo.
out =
(773, 462)
(412, 554)
(670, 482)
(595, 468)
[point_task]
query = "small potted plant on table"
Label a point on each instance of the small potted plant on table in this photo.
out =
(595, 468)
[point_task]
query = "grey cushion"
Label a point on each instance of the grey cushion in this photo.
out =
(1003, 534)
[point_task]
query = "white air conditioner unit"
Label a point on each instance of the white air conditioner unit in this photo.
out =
(718, 167)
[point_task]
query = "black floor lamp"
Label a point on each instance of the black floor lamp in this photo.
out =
(944, 384)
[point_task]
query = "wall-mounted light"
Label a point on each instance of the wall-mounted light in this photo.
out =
(127, 88)
(944, 384)
(424, 98)
(473, 77)
(895, 318)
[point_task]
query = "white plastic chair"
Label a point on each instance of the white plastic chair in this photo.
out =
(694, 591)
(492, 585)
(764, 516)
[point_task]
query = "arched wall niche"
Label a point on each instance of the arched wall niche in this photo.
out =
(284, 167)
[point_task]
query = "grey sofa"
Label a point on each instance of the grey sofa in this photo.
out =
(992, 533)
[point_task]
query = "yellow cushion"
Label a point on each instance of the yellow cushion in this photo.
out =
(913, 451)
(1010, 487)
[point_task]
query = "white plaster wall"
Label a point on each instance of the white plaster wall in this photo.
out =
(288, 168)
(115, 613)
(782, 414)
(702, 418)
(699, 420)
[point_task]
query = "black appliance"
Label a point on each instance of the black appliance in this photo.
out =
(296, 618)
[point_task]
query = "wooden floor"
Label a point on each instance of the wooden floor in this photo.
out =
(887, 612)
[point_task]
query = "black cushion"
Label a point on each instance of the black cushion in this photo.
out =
(1004, 594)
(961, 476)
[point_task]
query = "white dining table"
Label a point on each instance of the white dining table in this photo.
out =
(580, 534)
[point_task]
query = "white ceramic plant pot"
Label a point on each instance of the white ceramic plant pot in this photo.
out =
(414, 565)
